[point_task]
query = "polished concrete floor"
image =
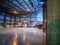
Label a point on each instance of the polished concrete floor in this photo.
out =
(21, 36)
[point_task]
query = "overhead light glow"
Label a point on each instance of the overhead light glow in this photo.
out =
(28, 10)
(15, 12)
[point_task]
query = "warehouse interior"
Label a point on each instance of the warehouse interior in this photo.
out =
(23, 19)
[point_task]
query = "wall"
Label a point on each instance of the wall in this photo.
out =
(53, 22)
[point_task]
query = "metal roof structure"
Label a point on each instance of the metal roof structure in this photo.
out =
(21, 7)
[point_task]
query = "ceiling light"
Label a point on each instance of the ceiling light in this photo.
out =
(15, 12)
(28, 10)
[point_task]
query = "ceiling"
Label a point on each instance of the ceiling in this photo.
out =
(20, 7)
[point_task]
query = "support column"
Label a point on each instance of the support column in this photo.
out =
(44, 17)
(5, 20)
(30, 18)
(10, 20)
(14, 20)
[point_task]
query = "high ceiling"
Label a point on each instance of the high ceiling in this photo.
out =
(19, 7)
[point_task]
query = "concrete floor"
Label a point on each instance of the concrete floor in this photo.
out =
(22, 36)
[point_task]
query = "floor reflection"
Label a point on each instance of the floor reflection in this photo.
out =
(15, 40)
(24, 38)
(30, 36)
